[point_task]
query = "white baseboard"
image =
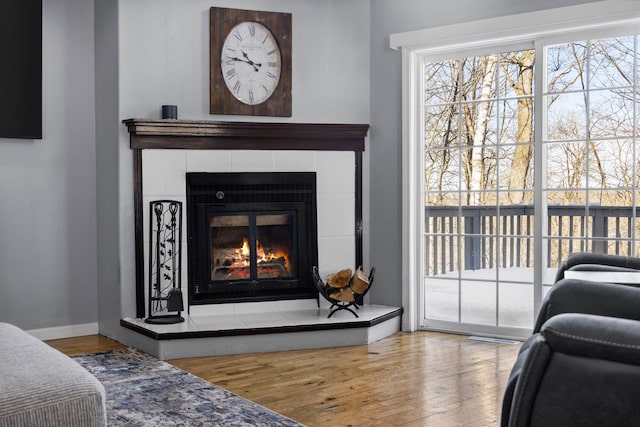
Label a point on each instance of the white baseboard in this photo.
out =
(65, 331)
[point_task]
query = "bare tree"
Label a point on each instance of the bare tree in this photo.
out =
(523, 153)
(488, 71)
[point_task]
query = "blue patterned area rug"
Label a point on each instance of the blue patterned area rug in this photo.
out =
(145, 391)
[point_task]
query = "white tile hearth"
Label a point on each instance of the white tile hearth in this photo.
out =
(249, 332)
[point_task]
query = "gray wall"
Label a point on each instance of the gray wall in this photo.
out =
(64, 216)
(389, 17)
(163, 58)
(108, 128)
(47, 187)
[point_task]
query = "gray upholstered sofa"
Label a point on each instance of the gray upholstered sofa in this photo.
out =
(39, 386)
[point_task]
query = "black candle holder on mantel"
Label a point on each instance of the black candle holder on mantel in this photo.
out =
(165, 256)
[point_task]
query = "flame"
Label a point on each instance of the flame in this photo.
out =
(243, 253)
(266, 256)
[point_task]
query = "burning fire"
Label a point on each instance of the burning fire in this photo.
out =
(243, 253)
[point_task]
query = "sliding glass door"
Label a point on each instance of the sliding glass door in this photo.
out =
(493, 236)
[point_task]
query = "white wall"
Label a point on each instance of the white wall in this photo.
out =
(47, 187)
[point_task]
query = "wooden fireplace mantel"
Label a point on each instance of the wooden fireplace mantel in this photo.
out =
(215, 135)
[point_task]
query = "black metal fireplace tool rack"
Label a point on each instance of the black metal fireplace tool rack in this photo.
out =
(165, 256)
(336, 305)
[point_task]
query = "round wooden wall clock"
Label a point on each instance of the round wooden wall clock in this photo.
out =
(250, 62)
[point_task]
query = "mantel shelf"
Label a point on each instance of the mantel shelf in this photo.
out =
(215, 135)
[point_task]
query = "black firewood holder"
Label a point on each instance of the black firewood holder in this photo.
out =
(323, 289)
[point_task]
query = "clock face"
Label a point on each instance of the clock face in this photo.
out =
(251, 62)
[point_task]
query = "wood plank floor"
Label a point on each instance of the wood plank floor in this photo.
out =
(408, 379)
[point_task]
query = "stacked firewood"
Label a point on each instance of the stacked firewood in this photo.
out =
(345, 287)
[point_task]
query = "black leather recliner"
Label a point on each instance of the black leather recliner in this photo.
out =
(586, 261)
(579, 370)
(587, 312)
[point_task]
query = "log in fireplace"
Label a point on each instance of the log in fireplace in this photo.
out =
(251, 236)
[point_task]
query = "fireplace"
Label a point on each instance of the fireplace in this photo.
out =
(174, 148)
(251, 236)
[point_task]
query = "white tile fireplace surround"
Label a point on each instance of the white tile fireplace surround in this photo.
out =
(256, 326)
(164, 178)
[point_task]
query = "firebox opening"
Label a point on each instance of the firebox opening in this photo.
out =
(252, 236)
(249, 246)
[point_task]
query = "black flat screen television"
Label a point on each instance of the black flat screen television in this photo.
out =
(21, 69)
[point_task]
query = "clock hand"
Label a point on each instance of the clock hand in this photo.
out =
(245, 61)
(255, 64)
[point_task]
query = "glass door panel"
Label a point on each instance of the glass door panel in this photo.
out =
(478, 165)
(590, 139)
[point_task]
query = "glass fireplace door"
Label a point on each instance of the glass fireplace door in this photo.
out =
(252, 246)
(274, 246)
(252, 237)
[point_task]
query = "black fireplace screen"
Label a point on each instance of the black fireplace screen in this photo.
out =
(251, 236)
